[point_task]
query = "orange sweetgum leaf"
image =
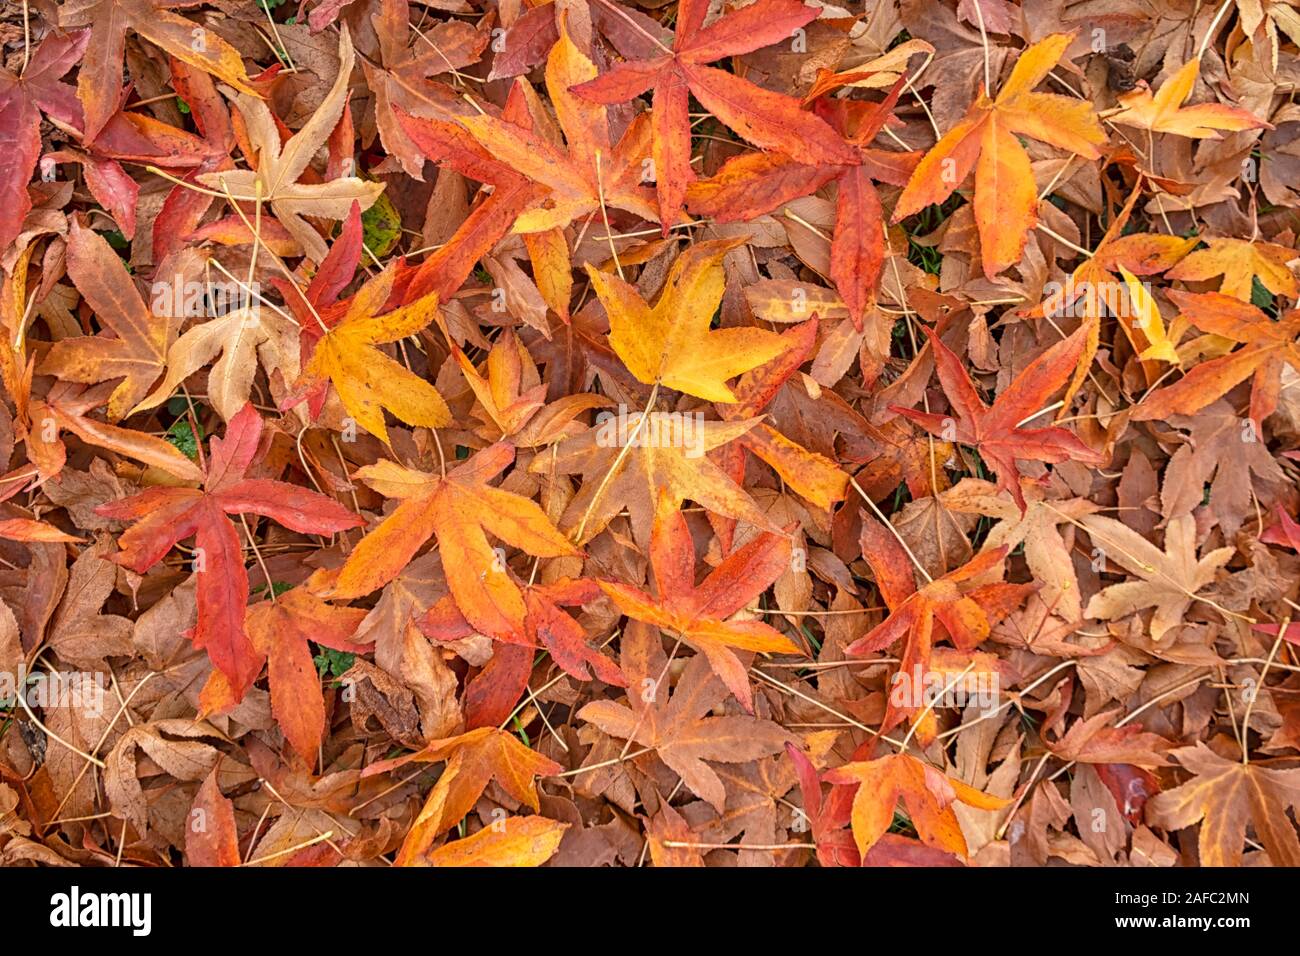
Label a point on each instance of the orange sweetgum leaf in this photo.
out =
(280, 631)
(927, 794)
(698, 614)
(451, 145)
(369, 382)
(459, 510)
(1092, 291)
(996, 430)
(963, 606)
(514, 841)
(474, 760)
(400, 83)
(586, 174)
(1006, 199)
(671, 343)
(663, 460)
(99, 84)
(1163, 112)
(753, 184)
(1093, 740)
(135, 352)
(161, 517)
(767, 119)
(679, 729)
(1268, 346)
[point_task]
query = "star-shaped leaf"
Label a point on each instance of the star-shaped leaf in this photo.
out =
(238, 340)
(162, 516)
(756, 183)
(99, 84)
(1268, 346)
(667, 457)
(459, 509)
(1037, 530)
(279, 166)
(671, 342)
(402, 81)
(925, 791)
(1164, 112)
(582, 176)
(679, 729)
(996, 430)
(1224, 796)
(811, 475)
(767, 119)
(136, 350)
(367, 380)
(698, 615)
(1171, 578)
(474, 760)
(1006, 198)
(965, 603)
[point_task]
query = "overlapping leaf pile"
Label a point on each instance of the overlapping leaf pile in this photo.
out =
(643, 432)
